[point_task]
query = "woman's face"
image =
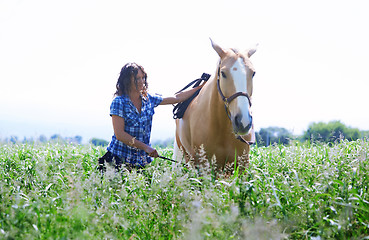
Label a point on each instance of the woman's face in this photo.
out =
(140, 79)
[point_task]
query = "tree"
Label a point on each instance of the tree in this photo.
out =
(28, 140)
(57, 138)
(42, 139)
(13, 139)
(99, 142)
(271, 135)
(78, 139)
(364, 134)
(330, 132)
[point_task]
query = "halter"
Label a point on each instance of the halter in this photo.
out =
(228, 100)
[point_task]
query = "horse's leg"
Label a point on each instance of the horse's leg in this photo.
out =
(178, 151)
(178, 154)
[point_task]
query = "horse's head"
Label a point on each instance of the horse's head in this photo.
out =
(235, 73)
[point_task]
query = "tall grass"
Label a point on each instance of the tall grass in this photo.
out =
(303, 191)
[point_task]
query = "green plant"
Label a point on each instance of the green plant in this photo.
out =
(330, 132)
(53, 191)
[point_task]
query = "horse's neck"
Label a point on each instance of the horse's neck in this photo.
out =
(213, 103)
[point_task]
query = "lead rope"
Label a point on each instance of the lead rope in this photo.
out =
(168, 159)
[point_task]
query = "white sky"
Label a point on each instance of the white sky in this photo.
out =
(59, 60)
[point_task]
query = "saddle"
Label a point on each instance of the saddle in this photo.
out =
(180, 108)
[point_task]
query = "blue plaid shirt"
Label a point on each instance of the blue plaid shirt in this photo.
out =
(136, 124)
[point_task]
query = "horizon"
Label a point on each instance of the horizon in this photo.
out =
(153, 140)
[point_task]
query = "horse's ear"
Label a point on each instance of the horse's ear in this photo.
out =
(218, 49)
(251, 51)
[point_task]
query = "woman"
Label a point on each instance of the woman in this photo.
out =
(132, 110)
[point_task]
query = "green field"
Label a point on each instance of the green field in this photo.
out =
(303, 191)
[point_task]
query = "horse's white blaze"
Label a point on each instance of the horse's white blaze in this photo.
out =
(238, 71)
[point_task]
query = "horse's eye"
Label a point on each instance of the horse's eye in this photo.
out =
(253, 74)
(224, 75)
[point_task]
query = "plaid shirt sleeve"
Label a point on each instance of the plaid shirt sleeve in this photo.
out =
(116, 107)
(155, 99)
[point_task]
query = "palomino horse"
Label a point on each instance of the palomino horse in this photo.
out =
(219, 118)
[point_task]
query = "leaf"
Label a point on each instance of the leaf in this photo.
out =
(196, 180)
(48, 187)
(35, 227)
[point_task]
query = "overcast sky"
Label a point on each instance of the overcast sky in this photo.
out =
(59, 60)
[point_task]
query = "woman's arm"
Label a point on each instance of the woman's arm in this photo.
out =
(181, 96)
(124, 137)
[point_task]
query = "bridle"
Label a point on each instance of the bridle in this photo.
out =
(228, 100)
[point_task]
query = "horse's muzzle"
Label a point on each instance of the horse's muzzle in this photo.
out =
(242, 124)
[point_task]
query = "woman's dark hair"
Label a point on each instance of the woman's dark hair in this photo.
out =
(128, 72)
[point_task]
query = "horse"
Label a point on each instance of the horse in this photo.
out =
(219, 118)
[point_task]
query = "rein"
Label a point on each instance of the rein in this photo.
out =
(228, 100)
(180, 108)
(171, 160)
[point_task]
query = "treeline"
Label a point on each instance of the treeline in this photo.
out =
(317, 132)
(56, 138)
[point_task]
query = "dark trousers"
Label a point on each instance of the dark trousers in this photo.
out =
(111, 159)
(115, 161)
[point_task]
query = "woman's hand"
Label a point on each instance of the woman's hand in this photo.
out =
(152, 152)
(118, 125)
